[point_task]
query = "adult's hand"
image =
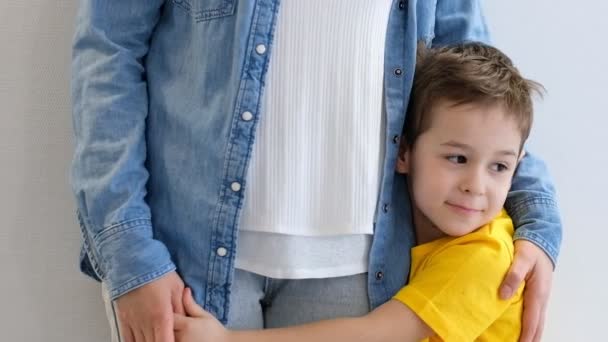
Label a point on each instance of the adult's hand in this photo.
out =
(146, 313)
(532, 264)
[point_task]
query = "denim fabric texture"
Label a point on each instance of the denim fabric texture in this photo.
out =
(166, 98)
(273, 303)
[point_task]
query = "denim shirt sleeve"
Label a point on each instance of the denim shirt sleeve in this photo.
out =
(531, 202)
(108, 175)
(457, 21)
(532, 205)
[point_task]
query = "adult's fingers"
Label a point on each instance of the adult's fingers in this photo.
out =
(515, 276)
(138, 335)
(530, 318)
(148, 334)
(126, 335)
(163, 329)
(541, 327)
(125, 332)
(176, 301)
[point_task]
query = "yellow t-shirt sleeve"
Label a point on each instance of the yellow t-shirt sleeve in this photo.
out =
(456, 291)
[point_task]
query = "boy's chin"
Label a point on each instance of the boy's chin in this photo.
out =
(456, 230)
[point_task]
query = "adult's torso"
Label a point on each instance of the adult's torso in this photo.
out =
(205, 72)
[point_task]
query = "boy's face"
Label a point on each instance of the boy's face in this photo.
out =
(460, 168)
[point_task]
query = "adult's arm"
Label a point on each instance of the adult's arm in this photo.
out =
(110, 105)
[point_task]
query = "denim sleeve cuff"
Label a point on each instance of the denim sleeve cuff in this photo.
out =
(539, 242)
(126, 256)
(537, 220)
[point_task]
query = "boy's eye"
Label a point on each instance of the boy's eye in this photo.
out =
(459, 159)
(498, 167)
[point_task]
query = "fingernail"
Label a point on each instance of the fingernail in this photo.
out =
(506, 292)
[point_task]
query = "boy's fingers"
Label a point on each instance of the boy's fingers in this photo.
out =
(530, 320)
(179, 322)
(192, 309)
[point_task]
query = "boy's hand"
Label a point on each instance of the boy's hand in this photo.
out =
(146, 313)
(532, 264)
(199, 325)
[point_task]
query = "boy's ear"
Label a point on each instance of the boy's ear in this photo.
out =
(403, 159)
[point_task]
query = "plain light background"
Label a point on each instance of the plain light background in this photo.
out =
(43, 297)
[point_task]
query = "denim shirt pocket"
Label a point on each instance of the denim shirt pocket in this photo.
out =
(205, 10)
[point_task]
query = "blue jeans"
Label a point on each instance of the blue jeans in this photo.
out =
(258, 302)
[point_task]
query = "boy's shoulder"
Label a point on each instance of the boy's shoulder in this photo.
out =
(492, 242)
(500, 229)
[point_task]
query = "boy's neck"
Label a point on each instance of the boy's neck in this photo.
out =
(425, 230)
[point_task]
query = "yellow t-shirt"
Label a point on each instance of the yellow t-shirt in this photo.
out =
(454, 284)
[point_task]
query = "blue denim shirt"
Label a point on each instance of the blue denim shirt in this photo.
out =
(159, 89)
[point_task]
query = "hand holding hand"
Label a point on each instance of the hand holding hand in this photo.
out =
(199, 325)
(146, 313)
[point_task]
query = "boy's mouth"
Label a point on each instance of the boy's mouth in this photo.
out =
(463, 208)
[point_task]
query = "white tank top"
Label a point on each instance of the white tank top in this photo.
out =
(316, 165)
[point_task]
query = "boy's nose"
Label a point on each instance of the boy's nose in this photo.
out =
(473, 183)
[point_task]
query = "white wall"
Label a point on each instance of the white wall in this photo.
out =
(562, 44)
(44, 298)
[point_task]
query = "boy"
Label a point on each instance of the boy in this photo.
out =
(470, 116)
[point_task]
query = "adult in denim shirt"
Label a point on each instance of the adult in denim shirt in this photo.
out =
(166, 96)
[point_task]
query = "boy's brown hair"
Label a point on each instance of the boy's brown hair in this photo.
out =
(468, 73)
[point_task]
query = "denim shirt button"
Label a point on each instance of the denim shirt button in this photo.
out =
(385, 208)
(398, 72)
(235, 186)
(379, 275)
(395, 139)
(247, 116)
(222, 251)
(260, 49)
(401, 5)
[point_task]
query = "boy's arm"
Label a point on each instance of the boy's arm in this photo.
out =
(392, 321)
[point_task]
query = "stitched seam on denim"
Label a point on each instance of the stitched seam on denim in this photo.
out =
(138, 280)
(549, 249)
(183, 4)
(517, 208)
(121, 227)
(226, 10)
